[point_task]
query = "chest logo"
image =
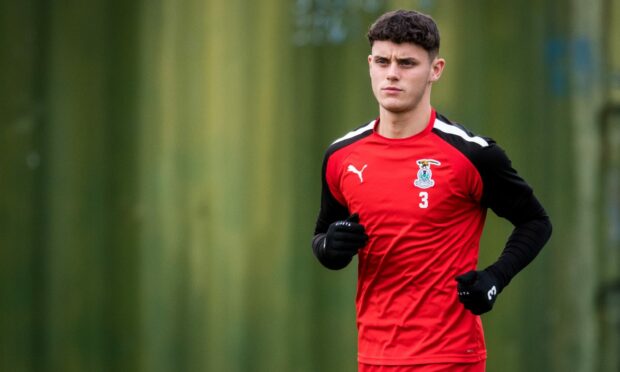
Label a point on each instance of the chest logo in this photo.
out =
(351, 168)
(425, 180)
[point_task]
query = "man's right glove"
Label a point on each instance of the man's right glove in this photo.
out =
(345, 238)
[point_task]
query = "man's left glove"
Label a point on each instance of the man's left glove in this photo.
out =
(477, 291)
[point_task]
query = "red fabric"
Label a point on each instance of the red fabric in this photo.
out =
(436, 367)
(420, 239)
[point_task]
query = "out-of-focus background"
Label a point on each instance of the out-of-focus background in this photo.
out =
(160, 177)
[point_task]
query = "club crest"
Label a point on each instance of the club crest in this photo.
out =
(425, 180)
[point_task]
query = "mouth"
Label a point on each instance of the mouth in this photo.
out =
(391, 89)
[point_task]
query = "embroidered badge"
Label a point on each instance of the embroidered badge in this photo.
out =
(425, 180)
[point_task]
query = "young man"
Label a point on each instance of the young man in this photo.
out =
(408, 193)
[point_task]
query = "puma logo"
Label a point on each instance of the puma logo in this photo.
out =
(352, 169)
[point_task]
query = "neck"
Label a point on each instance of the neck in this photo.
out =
(403, 124)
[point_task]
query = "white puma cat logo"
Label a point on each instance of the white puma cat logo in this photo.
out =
(352, 169)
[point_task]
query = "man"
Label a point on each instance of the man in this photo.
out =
(408, 193)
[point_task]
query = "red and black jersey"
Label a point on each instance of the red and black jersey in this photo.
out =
(423, 202)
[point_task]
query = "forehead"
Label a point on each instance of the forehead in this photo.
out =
(386, 48)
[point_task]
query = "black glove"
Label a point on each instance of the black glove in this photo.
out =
(345, 238)
(477, 290)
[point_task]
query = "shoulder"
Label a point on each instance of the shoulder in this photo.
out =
(350, 138)
(459, 136)
(480, 150)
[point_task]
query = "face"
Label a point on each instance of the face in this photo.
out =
(401, 75)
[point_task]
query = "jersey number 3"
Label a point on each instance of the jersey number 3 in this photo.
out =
(423, 199)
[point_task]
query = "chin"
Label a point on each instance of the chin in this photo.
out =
(395, 108)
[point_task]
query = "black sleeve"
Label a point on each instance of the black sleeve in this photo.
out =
(525, 242)
(331, 211)
(510, 197)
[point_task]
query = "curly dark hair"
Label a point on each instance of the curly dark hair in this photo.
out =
(406, 26)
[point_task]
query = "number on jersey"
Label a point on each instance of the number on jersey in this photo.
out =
(423, 199)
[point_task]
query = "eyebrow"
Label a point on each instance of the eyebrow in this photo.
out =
(407, 59)
(398, 60)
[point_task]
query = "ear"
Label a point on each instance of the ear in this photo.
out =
(437, 68)
(369, 60)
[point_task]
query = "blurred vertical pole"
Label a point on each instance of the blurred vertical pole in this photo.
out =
(228, 164)
(22, 109)
(585, 58)
(608, 294)
(160, 188)
(195, 199)
(122, 345)
(248, 171)
(267, 152)
(77, 198)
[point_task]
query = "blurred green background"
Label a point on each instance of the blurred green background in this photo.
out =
(160, 178)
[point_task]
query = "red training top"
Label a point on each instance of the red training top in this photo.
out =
(422, 201)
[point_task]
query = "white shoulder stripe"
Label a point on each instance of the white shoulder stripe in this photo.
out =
(356, 132)
(451, 129)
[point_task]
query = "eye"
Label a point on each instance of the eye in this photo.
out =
(381, 61)
(407, 63)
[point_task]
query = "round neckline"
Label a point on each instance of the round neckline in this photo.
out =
(425, 131)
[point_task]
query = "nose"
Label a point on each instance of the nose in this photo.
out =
(392, 73)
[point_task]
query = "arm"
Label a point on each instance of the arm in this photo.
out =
(532, 230)
(337, 236)
(510, 197)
